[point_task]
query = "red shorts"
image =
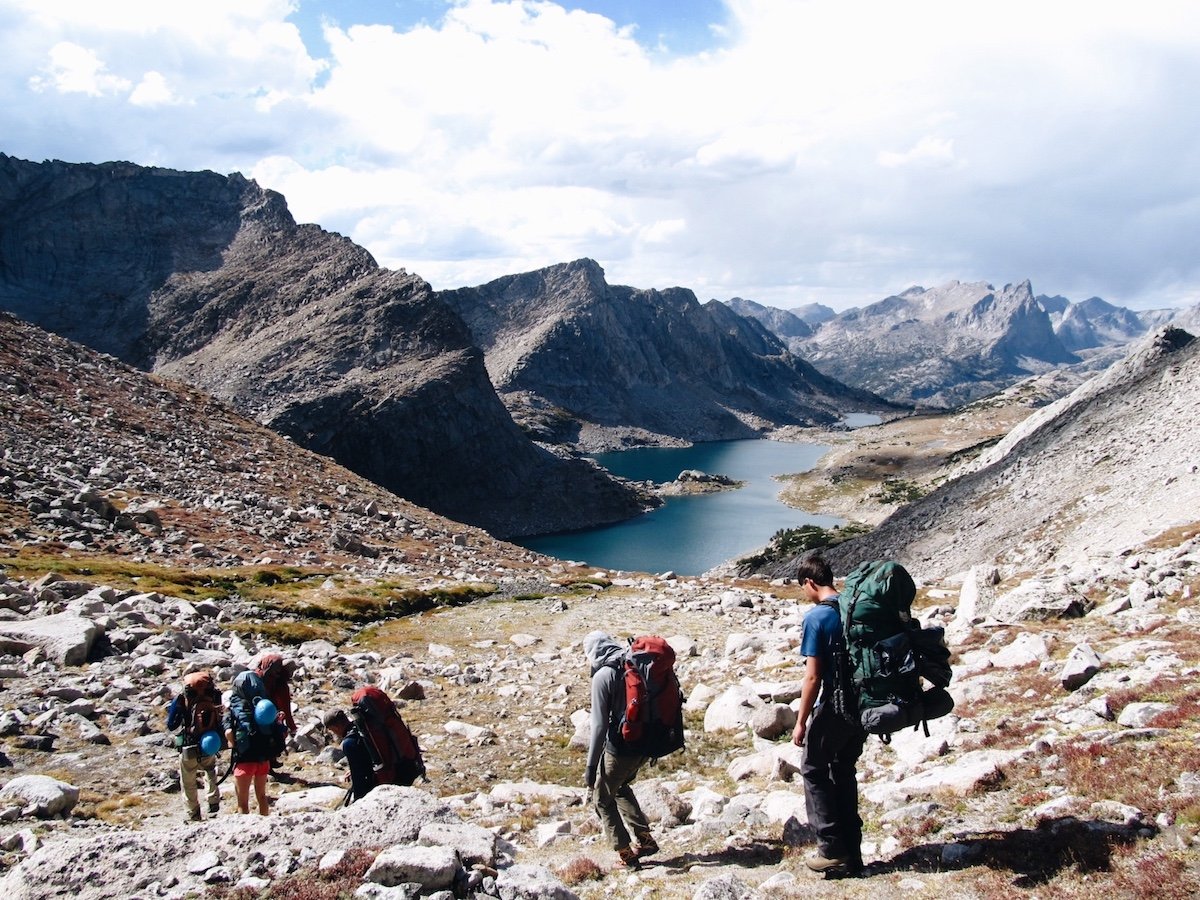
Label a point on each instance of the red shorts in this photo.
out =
(251, 769)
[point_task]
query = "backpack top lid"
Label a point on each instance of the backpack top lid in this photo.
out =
(877, 596)
(199, 682)
(271, 667)
(656, 648)
(249, 686)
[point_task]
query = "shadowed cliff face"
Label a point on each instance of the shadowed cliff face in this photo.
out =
(209, 280)
(659, 362)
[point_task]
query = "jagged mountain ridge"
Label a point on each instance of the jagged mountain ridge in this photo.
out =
(1092, 330)
(207, 278)
(582, 361)
(1096, 323)
(940, 347)
(1110, 466)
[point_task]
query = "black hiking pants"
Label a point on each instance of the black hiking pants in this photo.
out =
(831, 751)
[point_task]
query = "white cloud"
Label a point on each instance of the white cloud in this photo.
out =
(823, 150)
(73, 69)
(152, 90)
(928, 151)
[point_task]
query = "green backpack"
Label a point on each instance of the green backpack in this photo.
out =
(888, 653)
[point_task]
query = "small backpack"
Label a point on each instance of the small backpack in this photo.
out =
(652, 722)
(248, 734)
(394, 751)
(202, 702)
(887, 653)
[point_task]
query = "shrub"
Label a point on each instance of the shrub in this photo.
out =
(789, 542)
(897, 490)
(579, 870)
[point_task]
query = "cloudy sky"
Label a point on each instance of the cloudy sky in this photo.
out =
(786, 151)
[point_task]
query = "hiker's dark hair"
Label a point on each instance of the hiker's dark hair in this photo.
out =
(817, 569)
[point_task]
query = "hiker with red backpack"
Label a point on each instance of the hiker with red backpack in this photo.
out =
(378, 746)
(354, 751)
(637, 715)
(196, 712)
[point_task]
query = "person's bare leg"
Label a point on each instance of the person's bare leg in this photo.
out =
(241, 788)
(260, 793)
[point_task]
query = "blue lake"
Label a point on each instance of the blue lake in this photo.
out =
(690, 535)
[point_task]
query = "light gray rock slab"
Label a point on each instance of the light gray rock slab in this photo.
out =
(662, 803)
(67, 639)
(732, 710)
(530, 882)
(40, 795)
(970, 772)
(1139, 715)
(773, 721)
(1026, 649)
(433, 868)
(725, 887)
(473, 843)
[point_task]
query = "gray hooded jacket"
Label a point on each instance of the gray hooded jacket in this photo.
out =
(604, 655)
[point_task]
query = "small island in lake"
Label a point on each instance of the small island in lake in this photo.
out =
(692, 481)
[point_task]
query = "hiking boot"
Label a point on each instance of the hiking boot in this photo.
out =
(194, 815)
(627, 858)
(646, 845)
(213, 808)
(819, 862)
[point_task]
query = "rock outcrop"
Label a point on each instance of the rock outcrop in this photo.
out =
(208, 279)
(578, 360)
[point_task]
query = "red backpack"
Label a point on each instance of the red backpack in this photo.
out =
(393, 748)
(652, 724)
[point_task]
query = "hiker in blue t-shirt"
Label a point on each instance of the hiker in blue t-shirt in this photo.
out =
(831, 745)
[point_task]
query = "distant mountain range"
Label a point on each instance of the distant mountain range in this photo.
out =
(949, 345)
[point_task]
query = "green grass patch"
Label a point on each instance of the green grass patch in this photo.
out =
(293, 633)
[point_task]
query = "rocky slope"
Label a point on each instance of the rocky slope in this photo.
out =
(578, 360)
(149, 531)
(101, 458)
(1110, 466)
(940, 347)
(208, 279)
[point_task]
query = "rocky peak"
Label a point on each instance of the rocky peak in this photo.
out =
(780, 322)
(585, 362)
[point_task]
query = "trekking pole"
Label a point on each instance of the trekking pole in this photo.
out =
(232, 762)
(349, 798)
